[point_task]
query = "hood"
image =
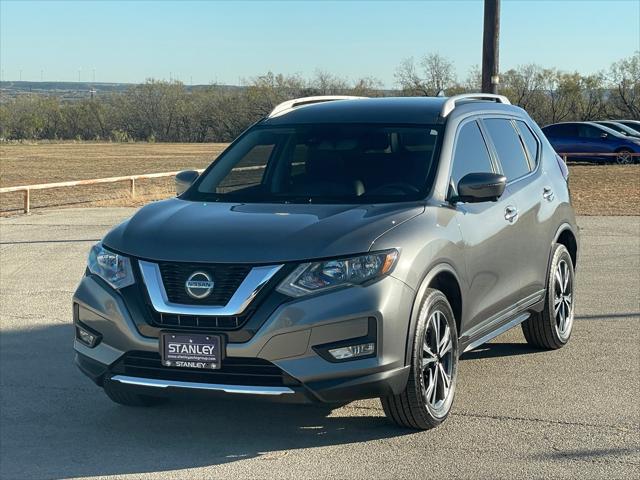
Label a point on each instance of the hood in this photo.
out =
(186, 231)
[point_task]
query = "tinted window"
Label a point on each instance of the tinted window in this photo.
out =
(529, 140)
(561, 130)
(471, 154)
(508, 147)
(249, 171)
(634, 126)
(326, 163)
(589, 131)
(613, 126)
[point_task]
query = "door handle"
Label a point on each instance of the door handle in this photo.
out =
(511, 214)
(547, 194)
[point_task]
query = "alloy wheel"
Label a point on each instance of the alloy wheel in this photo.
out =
(624, 158)
(563, 299)
(437, 361)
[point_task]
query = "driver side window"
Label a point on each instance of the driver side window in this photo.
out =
(470, 154)
(587, 131)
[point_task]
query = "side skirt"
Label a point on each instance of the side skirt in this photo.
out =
(498, 331)
(504, 321)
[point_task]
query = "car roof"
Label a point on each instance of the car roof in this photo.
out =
(409, 110)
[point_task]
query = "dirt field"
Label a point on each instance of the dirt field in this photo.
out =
(605, 189)
(596, 189)
(28, 164)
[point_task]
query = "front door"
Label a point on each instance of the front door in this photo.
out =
(488, 237)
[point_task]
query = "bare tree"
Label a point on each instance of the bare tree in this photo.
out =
(522, 84)
(432, 74)
(325, 83)
(367, 87)
(625, 77)
(473, 82)
(438, 71)
(558, 95)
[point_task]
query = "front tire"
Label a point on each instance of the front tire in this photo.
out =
(551, 328)
(427, 398)
(623, 157)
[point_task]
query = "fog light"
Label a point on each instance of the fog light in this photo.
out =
(90, 339)
(353, 351)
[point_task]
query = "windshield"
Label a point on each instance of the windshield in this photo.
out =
(332, 163)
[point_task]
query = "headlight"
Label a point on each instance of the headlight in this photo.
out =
(112, 268)
(319, 276)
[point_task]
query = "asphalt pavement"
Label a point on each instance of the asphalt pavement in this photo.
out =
(518, 412)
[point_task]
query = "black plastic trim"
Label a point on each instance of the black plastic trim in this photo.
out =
(371, 337)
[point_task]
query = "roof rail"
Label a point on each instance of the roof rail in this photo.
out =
(450, 104)
(298, 102)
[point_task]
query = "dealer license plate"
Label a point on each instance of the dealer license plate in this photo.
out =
(190, 350)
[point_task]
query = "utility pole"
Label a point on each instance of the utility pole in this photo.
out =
(490, 49)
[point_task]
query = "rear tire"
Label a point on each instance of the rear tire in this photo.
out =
(551, 328)
(427, 398)
(124, 396)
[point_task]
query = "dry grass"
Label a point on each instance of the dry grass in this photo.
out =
(27, 164)
(595, 189)
(605, 189)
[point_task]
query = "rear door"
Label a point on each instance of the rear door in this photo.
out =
(566, 138)
(488, 239)
(517, 151)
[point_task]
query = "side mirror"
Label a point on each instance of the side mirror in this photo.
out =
(604, 135)
(184, 180)
(481, 187)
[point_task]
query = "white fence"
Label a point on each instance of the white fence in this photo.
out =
(26, 189)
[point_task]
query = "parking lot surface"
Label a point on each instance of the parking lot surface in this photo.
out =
(518, 412)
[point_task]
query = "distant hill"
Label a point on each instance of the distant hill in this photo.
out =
(75, 90)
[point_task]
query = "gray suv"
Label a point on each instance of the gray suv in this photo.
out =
(340, 248)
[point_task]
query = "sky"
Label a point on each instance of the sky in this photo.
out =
(202, 42)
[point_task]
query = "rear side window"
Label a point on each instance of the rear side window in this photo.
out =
(508, 147)
(561, 130)
(471, 154)
(530, 142)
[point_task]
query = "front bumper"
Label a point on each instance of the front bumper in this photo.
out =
(288, 339)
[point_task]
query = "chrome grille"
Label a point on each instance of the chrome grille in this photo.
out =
(227, 279)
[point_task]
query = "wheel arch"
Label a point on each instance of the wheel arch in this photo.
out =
(444, 278)
(623, 148)
(568, 238)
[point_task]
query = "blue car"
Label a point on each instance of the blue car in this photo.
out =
(632, 124)
(620, 128)
(590, 138)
